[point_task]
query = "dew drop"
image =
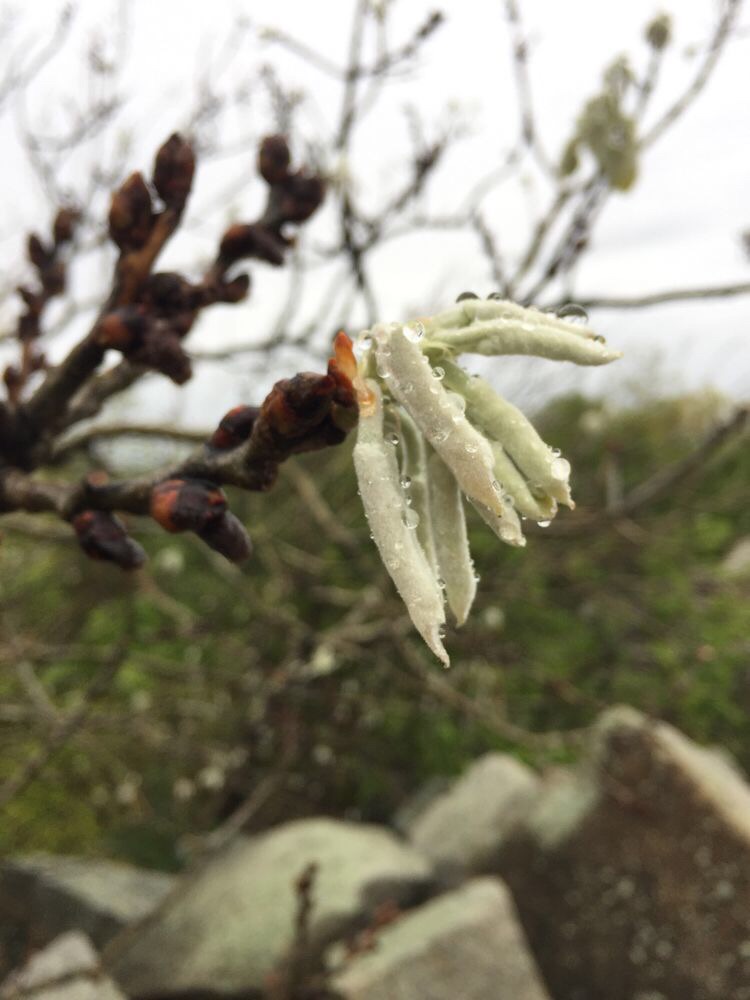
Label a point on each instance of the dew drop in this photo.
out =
(438, 373)
(410, 518)
(556, 453)
(598, 339)
(496, 486)
(364, 340)
(442, 631)
(458, 401)
(440, 436)
(471, 448)
(466, 295)
(408, 387)
(392, 439)
(544, 524)
(405, 482)
(560, 468)
(573, 313)
(495, 295)
(414, 332)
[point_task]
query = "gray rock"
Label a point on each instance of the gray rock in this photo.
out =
(67, 969)
(231, 926)
(43, 895)
(736, 563)
(466, 944)
(461, 830)
(632, 875)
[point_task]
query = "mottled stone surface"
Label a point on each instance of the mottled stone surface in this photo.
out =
(67, 969)
(232, 924)
(44, 895)
(466, 944)
(461, 830)
(632, 876)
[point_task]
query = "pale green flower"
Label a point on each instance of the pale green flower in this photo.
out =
(430, 433)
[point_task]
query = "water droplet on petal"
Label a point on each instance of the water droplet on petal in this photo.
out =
(405, 482)
(560, 468)
(573, 313)
(466, 295)
(410, 518)
(495, 295)
(458, 401)
(440, 436)
(414, 331)
(392, 439)
(471, 448)
(438, 373)
(544, 524)
(496, 486)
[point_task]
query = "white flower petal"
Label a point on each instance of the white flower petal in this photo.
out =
(505, 423)
(412, 382)
(451, 539)
(380, 488)
(514, 484)
(507, 528)
(414, 470)
(530, 336)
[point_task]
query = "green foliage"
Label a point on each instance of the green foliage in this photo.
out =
(303, 663)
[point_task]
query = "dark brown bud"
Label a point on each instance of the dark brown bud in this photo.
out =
(53, 278)
(173, 171)
(274, 159)
(171, 293)
(235, 290)
(121, 330)
(254, 240)
(301, 195)
(234, 427)
(31, 299)
(39, 254)
(186, 504)
(103, 536)
(28, 326)
(227, 535)
(162, 350)
(131, 215)
(13, 380)
(64, 225)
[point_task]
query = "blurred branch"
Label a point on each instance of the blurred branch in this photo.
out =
(662, 298)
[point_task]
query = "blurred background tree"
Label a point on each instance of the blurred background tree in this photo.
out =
(151, 715)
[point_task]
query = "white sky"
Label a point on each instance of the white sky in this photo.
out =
(679, 226)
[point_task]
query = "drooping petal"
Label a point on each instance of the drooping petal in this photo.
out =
(451, 539)
(412, 382)
(535, 336)
(540, 508)
(414, 472)
(505, 423)
(380, 488)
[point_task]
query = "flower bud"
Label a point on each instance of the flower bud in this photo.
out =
(64, 225)
(103, 536)
(39, 254)
(301, 195)
(256, 240)
(122, 329)
(131, 215)
(659, 32)
(234, 427)
(173, 171)
(274, 159)
(200, 506)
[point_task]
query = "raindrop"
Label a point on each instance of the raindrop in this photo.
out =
(471, 448)
(458, 401)
(573, 313)
(414, 331)
(442, 631)
(544, 524)
(440, 436)
(466, 295)
(599, 339)
(438, 373)
(496, 486)
(556, 453)
(495, 295)
(410, 518)
(560, 468)
(364, 341)
(408, 387)
(392, 439)
(406, 482)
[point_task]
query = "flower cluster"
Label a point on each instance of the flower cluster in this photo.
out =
(430, 434)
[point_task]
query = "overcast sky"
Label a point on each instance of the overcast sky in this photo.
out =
(679, 227)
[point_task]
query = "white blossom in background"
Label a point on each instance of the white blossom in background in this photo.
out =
(430, 434)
